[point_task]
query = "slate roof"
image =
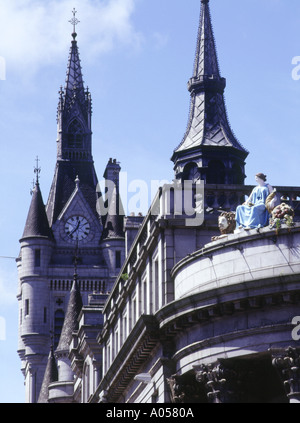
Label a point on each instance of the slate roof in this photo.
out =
(74, 88)
(51, 375)
(71, 318)
(208, 123)
(37, 222)
(63, 186)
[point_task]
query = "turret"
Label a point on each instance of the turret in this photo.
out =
(62, 391)
(34, 299)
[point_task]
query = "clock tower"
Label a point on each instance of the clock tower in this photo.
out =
(67, 236)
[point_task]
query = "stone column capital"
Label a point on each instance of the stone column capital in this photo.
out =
(221, 383)
(287, 362)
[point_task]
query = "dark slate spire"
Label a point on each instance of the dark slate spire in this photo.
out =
(74, 112)
(74, 142)
(37, 222)
(71, 318)
(74, 88)
(208, 126)
(51, 375)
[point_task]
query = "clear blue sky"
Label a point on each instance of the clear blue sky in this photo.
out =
(137, 56)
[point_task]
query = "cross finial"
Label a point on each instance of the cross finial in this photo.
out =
(37, 170)
(74, 21)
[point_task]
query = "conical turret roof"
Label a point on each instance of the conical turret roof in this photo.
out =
(51, 375)
(37, 222)
(71, 319)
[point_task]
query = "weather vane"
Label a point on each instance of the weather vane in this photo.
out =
(37, 170)
(74, 21)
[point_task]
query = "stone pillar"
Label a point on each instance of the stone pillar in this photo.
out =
(288, 364)
(221, 383)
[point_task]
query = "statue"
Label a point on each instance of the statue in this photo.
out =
(226, 223)
(254, 213)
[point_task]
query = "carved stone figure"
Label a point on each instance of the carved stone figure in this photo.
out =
(226, 223)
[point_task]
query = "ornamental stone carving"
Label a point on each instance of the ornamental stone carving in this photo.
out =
(288, 364)
(221, 383)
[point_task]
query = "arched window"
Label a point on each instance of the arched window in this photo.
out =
(237, 174)
(75, 134)
(191, 172)
(215, 172)
(59, 318)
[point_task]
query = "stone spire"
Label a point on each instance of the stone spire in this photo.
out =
(74, 141)
(208, 135)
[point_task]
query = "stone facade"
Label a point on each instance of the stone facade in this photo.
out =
(161, 308)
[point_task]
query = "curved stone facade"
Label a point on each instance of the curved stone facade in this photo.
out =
(235, 301)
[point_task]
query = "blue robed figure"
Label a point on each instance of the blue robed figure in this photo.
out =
(253, 213)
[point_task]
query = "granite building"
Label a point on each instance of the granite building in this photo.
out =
(161, 308)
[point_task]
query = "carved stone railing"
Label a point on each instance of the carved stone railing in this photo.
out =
(228, 197)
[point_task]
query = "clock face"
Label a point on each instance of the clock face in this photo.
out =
(77, 228)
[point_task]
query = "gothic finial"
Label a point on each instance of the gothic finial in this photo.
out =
(37, 171)
(77, 182)
(74, 21)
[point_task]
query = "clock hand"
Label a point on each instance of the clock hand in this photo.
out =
(75, 229)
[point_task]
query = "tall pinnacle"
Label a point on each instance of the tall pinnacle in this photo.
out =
(206, 61)
(74, 139)
(208, 124)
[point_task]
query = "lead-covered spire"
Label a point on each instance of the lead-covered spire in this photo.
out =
(208, 130)
(74, 109)
(74, 140)
(206, 66)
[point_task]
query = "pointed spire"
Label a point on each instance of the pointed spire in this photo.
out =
(74, 140)
(51, 375)
(74, 88)
(208, 124)
(71, 319)
(206, 61)
(37, 222)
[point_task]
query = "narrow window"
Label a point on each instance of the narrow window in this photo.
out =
(37, 258)
(26, 307)
(45, 314)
